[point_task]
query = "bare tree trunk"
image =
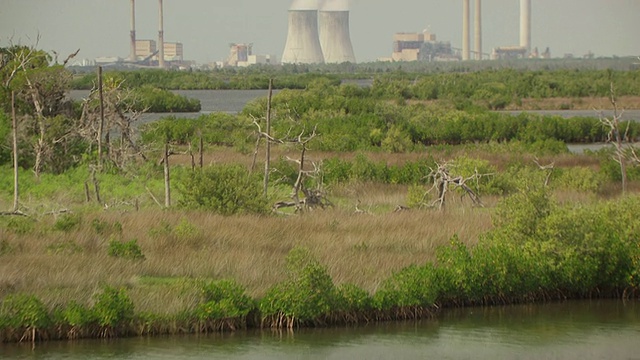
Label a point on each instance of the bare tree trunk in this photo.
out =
(267, 161)
(193, 159)
(619, 147)
(101, 126)
(201, 151)
(298, 184)
(167, 187)
(14, 124)
(96, 185)
(615, 137)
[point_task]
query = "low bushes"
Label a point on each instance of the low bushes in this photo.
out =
(225, 189)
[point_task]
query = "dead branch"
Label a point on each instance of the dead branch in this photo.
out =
(442, 180)
(547, 168)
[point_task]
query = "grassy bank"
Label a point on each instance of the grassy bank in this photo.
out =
(96, 272)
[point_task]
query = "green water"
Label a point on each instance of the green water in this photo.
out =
(571, 330)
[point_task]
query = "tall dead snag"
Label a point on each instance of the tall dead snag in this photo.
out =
(167, 177)
(269, 140)
(14, 131)
(614, 136)
(267, 157)
(442, 180)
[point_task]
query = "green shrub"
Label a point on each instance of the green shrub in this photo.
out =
(20, 225)
(112, 308)
(413, 286)
(67, 222)
(224, 299)
(581, 179)
(417, 196)
(225, 189)
(24, 311)
(350, 298)
(306, 296)
(127, 249)
(76, 315)
(186, 230)
(102, 227)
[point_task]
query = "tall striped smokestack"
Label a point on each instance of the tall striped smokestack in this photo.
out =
(303, 40)
(334, 35)
(477, 44)
(466, 20)
(132, 54)
(161, 37)
(525, 25)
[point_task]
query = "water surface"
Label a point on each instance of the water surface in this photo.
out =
(572, 330)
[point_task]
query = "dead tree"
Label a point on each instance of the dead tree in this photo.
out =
(19, 61)
(120, 113)
(614, 136)
(546, 168)
(313, 198)
(443, 180)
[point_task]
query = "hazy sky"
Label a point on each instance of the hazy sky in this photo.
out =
(206, 27)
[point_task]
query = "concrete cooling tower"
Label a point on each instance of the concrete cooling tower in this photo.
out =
(334, 37)
(303, 40)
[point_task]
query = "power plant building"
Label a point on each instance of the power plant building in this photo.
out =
(173, 51)
(421, 47)
(145, 48)
(239, 53)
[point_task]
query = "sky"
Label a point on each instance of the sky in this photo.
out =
(206, 27)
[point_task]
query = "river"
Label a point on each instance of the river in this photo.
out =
(605, 329)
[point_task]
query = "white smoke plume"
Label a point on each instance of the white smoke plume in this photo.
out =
(334, 5)
(304, 5)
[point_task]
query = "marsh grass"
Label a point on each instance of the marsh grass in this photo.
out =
(180, 247)
(70, 261)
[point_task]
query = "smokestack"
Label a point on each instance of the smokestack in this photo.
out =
(525, 25)
(132, 54)
(161, 37)
(334, 37)
(477, 44)
(466, 19)
(303, 40)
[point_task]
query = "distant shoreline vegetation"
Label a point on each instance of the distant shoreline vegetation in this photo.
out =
(494, 89)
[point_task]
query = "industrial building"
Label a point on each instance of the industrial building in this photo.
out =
(148, 50)
(238, 54)
(421, 47)
(241, 55)
(144, 49)
(173, 51)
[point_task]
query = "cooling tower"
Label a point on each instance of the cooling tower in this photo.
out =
(303, 40)
(477, 44)
(161, 37)
(132, 55)
(525, 25)
(466, 22)
(334, 37)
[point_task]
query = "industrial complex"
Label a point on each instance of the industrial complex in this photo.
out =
(320, 34)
